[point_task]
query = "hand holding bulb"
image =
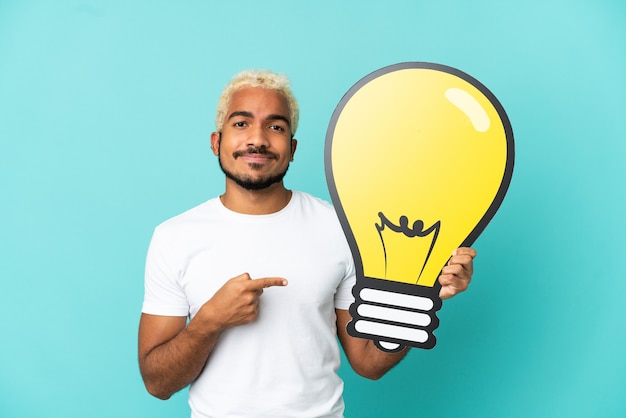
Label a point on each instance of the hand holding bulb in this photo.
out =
(457, 274)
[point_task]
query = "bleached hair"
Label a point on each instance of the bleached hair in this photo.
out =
(257, 78)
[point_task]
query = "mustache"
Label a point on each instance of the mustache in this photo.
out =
(254, 150)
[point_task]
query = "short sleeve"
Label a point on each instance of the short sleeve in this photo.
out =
(343, 296)
(163, 294)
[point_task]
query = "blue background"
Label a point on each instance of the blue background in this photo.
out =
(105, 114)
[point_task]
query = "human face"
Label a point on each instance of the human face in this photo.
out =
(255, 144)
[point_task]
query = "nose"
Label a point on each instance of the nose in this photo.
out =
(257, 137)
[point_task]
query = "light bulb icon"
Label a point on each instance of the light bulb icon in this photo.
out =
(418, 159)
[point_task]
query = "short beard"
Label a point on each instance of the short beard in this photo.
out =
(249, 183)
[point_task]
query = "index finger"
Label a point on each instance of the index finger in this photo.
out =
(268, 282)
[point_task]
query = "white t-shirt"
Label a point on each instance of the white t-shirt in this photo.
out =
(284, 363)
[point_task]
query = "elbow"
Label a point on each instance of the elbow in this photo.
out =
(155, 385)
(158, 392)
(371, 376)
(370, 372)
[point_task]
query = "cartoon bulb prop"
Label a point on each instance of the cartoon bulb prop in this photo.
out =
(418, 159)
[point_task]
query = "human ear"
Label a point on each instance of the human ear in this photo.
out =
(215, 142)
(294, 145)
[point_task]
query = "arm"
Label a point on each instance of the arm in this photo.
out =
(364, 357)
(172, 355)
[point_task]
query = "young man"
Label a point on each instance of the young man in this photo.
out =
(264, 275)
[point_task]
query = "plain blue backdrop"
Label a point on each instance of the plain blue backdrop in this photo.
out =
(106, 108)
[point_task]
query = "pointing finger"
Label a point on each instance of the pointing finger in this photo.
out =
(260, 284)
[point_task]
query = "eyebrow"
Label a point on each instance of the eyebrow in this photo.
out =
(247, 114)
(240, 113)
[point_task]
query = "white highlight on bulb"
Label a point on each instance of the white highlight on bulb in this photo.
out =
(394, 315)
(470, 106)
(396, 299)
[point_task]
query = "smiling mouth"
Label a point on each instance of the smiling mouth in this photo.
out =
(256, 161)
(255, 154)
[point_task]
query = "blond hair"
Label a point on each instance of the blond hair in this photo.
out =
(257, 78)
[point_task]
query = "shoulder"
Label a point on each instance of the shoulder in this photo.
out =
(190, 218)
(308, 201)
(313, 210)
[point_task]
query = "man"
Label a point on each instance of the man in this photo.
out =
(264, 275)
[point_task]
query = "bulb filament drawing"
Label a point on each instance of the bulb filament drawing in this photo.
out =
(416, 231)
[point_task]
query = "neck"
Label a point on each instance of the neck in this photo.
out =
(255, 202)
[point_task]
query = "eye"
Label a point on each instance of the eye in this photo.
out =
(239, 124)
(279, 128)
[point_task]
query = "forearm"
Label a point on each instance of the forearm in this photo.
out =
(174, 364)
(172, 355)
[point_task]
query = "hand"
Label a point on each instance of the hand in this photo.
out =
(456, 275)
(237, 301)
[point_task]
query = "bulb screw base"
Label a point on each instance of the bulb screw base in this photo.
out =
(394, 315)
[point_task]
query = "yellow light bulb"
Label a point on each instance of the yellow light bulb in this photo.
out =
(418, 159)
